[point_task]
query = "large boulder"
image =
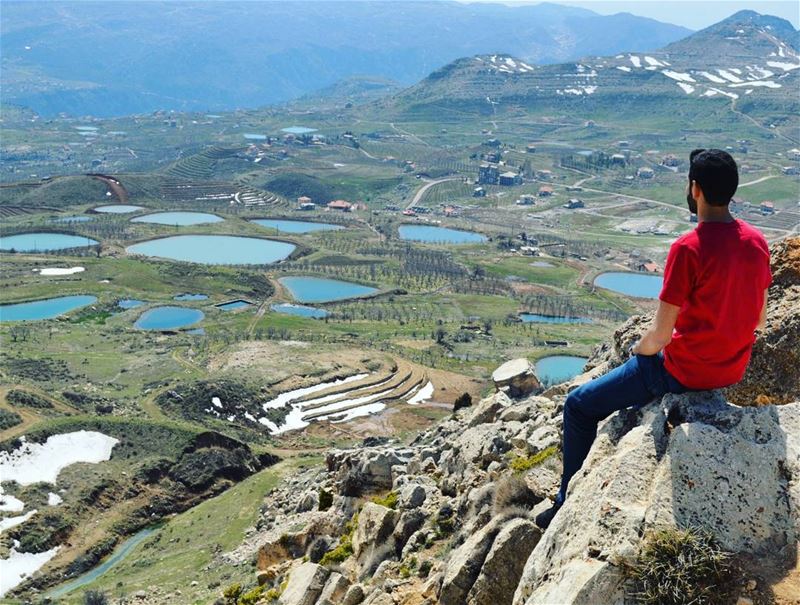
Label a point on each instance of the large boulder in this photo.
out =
(690, 459)
(516, 377)
(306, 582)
(465, 564)
(503, 566)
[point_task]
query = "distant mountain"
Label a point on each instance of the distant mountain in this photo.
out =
(355, 90)
(746, 57)
(113, 58)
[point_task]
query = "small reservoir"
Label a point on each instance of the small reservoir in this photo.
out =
(117, 209)
(640, 285)
(44, 309)
(215, 249)
(300, 310)
(234, 305)
(318, 289)
(552, 319)
(178, 218)
(438, 235)
(559, 368)
(44, 242)
(168, 318)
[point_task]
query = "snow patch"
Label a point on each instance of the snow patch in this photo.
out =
(288, 396)
(9, 503)
(423, 394)
(61, 270)
(712, 77)
(764, 83)
(677, 75)
(637, 62)
(54, 499)
(10, 522)
(653, 61)
(623, 68)
(687, 88)
(20, 565)
(728, 75)
(42, 462)
(784, 66)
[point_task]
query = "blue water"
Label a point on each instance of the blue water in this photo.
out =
(44, 309)
(558, 368)
(233, 305)
(117, 209)
(298, 130)
(215, 249)
(122, 551)
(317, 289)
(641, 285)
(300, 310)
(295, 226)
(168, 318)
(430, 234)
(196, 332)
(552, 319)
(190, 297)
(255, 137)
(129, 303)
(42, 242)
(73, 219)
(86, 128)
(178, 218)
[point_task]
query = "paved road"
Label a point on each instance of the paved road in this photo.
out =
(428, 184)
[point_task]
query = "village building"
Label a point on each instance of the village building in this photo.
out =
(793, 154)
(306, 206)
(648, 266)
(670, 161)
(645, 173)
(790, 170)
(529, 250)
(492, 142)
(618, 159)
(488, 174)
(341, 205)
(767, 208)
(623, 144)
(532, 148)
(545, 191)
(303, 199)
(544, 175)
(479, 192)
(526, 199)
(574, 203)
(492, 156)
(509, 178)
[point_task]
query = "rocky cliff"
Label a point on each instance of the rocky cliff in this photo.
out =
(447, 518)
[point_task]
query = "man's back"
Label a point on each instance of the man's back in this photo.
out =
(717, 275)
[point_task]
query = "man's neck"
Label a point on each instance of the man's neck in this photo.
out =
(714, 214)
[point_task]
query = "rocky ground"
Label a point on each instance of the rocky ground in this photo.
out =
(448, 518)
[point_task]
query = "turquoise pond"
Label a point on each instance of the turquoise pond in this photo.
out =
(300, 310)
(215, 249)
(117, 209)
(82, 218)
(233, 305)
(190, 297)
(178, 218)
(552, 319)
(168, 318)
(318, 289)
(438, 235)
(298, 130)
(255, 137)
(287, 226)
(641, 285)
(558, 368)
(122, 551)
(129, 303)
(44, 309)
(43, 242)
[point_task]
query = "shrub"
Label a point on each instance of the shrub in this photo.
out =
(251, 597)
(9, 419)
(232, 593)
(463, 401)
(325, 499)
(513, 492)
(95, 597)
(406, 569)
(520, 464)
(29, 400)
(445, 523)
(424, 568)
(680, 566)
(389, 500)
(345, 547)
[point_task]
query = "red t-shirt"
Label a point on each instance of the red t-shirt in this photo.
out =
(717, 275)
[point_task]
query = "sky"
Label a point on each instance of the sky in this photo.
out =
(693, 14)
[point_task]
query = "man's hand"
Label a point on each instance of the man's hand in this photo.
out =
(660, 333)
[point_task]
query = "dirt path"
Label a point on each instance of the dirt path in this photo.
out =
(428, 184)
(30, 416)
(114, 185)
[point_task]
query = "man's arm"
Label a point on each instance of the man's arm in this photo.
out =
(660, 333)
(762, 321)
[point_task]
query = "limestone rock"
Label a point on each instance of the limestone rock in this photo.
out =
(503, 566)
(488, 409)
(465, 564)
(334, 590)
(412, 496)
(305, 585)
(542, 438)
(517, 377)
(354, 595)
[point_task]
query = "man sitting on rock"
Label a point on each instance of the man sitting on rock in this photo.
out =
(713, 299)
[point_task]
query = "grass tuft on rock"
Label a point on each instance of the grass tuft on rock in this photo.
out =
(521, 464)
(680, 567)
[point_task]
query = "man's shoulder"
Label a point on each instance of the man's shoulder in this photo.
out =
(687, 240)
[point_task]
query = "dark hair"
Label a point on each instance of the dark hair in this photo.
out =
(715, 172)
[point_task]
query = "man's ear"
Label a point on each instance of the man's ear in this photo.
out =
(697, 192)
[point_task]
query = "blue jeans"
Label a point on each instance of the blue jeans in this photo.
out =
(635, 383)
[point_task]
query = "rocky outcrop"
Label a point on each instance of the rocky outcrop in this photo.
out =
(452, 518)
(516, 377)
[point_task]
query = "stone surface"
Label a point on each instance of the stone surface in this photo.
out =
(517, 376)
(354, 595)
(503, 566)
(412, 496)
(334, 590)
(305, 585)
(465, 564)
